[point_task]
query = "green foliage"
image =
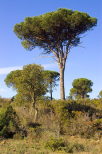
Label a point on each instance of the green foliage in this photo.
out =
(75, 117)
(29, 82)
(13, 79)
(21, 98)
(81, 87)
(51, 76)
(97, 103)
(55, 144)
(50, 29)
(62, 109)
(10, 124)
(72, 118)
(35, 130)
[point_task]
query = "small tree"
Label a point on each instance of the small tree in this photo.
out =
(51, 78)
(81, 88)
(100, 94)
(10, 124)
(29, 83)
(56, 32)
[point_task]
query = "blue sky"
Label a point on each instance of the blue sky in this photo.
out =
(85, 61)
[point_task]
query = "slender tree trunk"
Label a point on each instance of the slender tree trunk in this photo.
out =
(51, 95)
(34, 110)
(61, 59)
(51, 92)
(62, 90)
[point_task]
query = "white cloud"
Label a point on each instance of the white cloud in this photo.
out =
(2, 90)
(7, 70)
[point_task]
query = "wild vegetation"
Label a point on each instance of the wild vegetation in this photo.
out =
(61, 126)
(31, 122)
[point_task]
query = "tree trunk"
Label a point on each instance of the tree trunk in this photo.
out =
(51, 92)
(51, 95)
(34, 110)
(62, 91)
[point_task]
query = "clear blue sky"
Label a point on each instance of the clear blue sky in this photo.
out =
(82, 62)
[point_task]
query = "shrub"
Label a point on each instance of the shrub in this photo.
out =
(76, 118)
(55, 144)
(35, 130)
(95, 129)
(58, 144)
(10, 124)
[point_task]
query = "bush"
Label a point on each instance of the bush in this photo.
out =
(35, 130)
(95, 130)
(58, 144)
(76, 117)
(55, 144)
(10, 124)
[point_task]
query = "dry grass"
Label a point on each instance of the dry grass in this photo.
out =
(21, 147)
(93, 146)
(28, 146)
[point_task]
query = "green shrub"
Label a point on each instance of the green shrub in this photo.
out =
(76, 118)
(55, 144)
(10, 124)
(35, 130)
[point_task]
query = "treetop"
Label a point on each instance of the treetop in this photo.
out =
(54, 29)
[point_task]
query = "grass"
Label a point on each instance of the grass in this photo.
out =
(21, 147)
(28, 146)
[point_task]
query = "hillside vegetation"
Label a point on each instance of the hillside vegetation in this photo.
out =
(71, 126)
